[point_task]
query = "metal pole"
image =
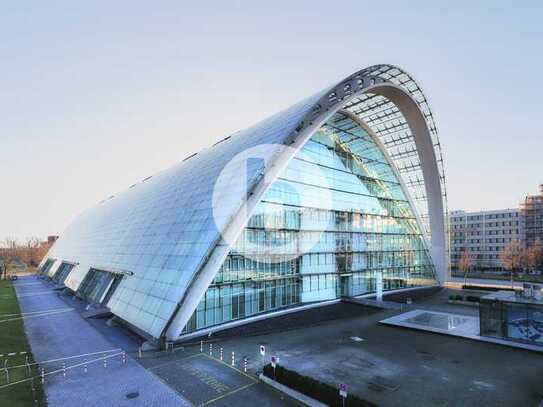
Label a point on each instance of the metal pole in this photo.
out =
(233, 359)
(64, 370)
(221, 353)
(139, 352)
(210, 349)
(42, 375)
(245, 365)
(201, 346)
(105, 362)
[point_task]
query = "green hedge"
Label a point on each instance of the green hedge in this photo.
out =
(313, 388)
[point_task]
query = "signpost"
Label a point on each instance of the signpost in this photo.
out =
(343, 392)
(274, 362)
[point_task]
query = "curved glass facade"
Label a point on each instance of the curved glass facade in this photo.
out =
(335, 219)
(299, 247)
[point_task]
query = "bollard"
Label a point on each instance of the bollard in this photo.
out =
(124, 358)
(233, 359)
(33, 389)
(28, 370)
(210, 349)
(42, 375)
(64, 369)
(85, 370)
(7, 375)
(221, 354)
(245, 365)
(105, 362)
(139, 352)
(201, 346)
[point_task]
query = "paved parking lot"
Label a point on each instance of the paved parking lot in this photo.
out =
(394, 366)
(342, 343)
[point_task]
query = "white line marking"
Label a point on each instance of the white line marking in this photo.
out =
(33, 312)
(38, 315)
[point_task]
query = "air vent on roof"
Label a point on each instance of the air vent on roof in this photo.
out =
(220, 141)
(190, 156)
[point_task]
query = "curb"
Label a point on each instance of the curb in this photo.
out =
(302, 398)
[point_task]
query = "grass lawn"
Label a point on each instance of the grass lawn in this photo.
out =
(13, 339)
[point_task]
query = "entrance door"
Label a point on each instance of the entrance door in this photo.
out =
(346, 285)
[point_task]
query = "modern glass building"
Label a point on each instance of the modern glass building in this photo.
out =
(340, 193)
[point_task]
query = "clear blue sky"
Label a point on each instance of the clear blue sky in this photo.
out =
(98, 95)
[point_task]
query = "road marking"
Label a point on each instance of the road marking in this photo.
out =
(231, 367)
(28, 294)
(206, 378)
(33, 312)
(228, 394)
(174, 361)
(38, 315)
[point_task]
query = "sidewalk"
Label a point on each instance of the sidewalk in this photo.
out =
(96, 372)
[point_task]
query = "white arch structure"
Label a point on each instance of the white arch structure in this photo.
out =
(390, 103)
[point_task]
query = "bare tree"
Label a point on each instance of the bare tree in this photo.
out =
(31, 251)
(511, 257)
(465, 264)
(534, 256)
(10, 249)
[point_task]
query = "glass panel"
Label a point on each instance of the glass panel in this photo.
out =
(62, 273)
(98, 286)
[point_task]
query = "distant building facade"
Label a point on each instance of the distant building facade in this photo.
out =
(532, 216)
(483, 234)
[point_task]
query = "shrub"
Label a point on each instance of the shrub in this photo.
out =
(313, 388)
